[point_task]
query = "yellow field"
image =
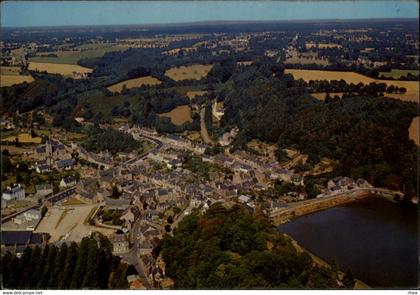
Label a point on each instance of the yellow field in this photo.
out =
(179, 115)
(195, 72)
(10, 80)
(9, 70)
(62, 69)
(412, 87)
(24, 138)
(137, 82)
(192, 94)
(413, 131)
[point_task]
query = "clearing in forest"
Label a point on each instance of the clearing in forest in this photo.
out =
(10, 80)
(132, 83)
(412, 87)
(193, 72)
(192, 94)
(179, 115)
(24, 138)
(62, 69)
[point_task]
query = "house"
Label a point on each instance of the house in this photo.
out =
(177, 139)
(42, 168)
(135, 282)
(145, 247)
(16, 192)
(50, 150)
(200, 148)
(119, 204)
(106, 177)
(224, 160)
(238, 167)
(174, 163)
(43, 189)
(65, 164)
(18, 240)
(130, 216)
(32, 214)
(68, 181)
(207, 158)
(244, 199)
(149, 231)
(120, 244)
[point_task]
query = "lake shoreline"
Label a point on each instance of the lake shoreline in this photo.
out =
(356, 245)
(360, 285)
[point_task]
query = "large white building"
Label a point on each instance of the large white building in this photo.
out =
(16, 192)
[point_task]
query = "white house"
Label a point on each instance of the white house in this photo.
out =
(32, 214)
(16, 192)
(68, 181)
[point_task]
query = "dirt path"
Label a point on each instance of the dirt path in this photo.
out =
(204, 134)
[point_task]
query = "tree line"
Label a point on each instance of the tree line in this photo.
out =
(88, 265)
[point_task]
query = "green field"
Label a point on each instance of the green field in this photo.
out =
(396, 74)
(72, 57)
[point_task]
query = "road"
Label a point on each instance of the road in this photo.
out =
(156, 141)
(204, 134)
(133, 256)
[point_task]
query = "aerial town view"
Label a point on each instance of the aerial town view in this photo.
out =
(209, 145)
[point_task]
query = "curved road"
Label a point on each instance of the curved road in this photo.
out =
(204, 134)
(158, 146)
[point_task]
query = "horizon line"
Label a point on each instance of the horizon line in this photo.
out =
(214, 22)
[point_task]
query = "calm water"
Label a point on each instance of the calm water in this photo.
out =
(377, 239)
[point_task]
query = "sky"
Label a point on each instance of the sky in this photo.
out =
(76, 13)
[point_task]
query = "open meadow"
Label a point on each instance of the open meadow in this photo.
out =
(62, 69)
(9, 70)
(412, 87)
(24, 138)
(396, 74)
(73, 56)
(10, 80)
(192, 94)
(193, 72)
(137, 82)
(179, 115)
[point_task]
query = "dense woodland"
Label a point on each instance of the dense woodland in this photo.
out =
(111, 140)
(88, 265)
(367, 134)
(233, 249)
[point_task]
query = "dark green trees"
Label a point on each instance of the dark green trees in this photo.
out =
(232, 249)
(89, 265)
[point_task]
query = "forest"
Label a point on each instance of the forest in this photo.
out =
(233, 249)
(88, 265)
(368, 135)
(111, 140)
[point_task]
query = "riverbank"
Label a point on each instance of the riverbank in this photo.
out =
(320, 262)
(315, 205)
(367, 236)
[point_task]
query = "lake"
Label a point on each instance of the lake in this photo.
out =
(376, 238)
